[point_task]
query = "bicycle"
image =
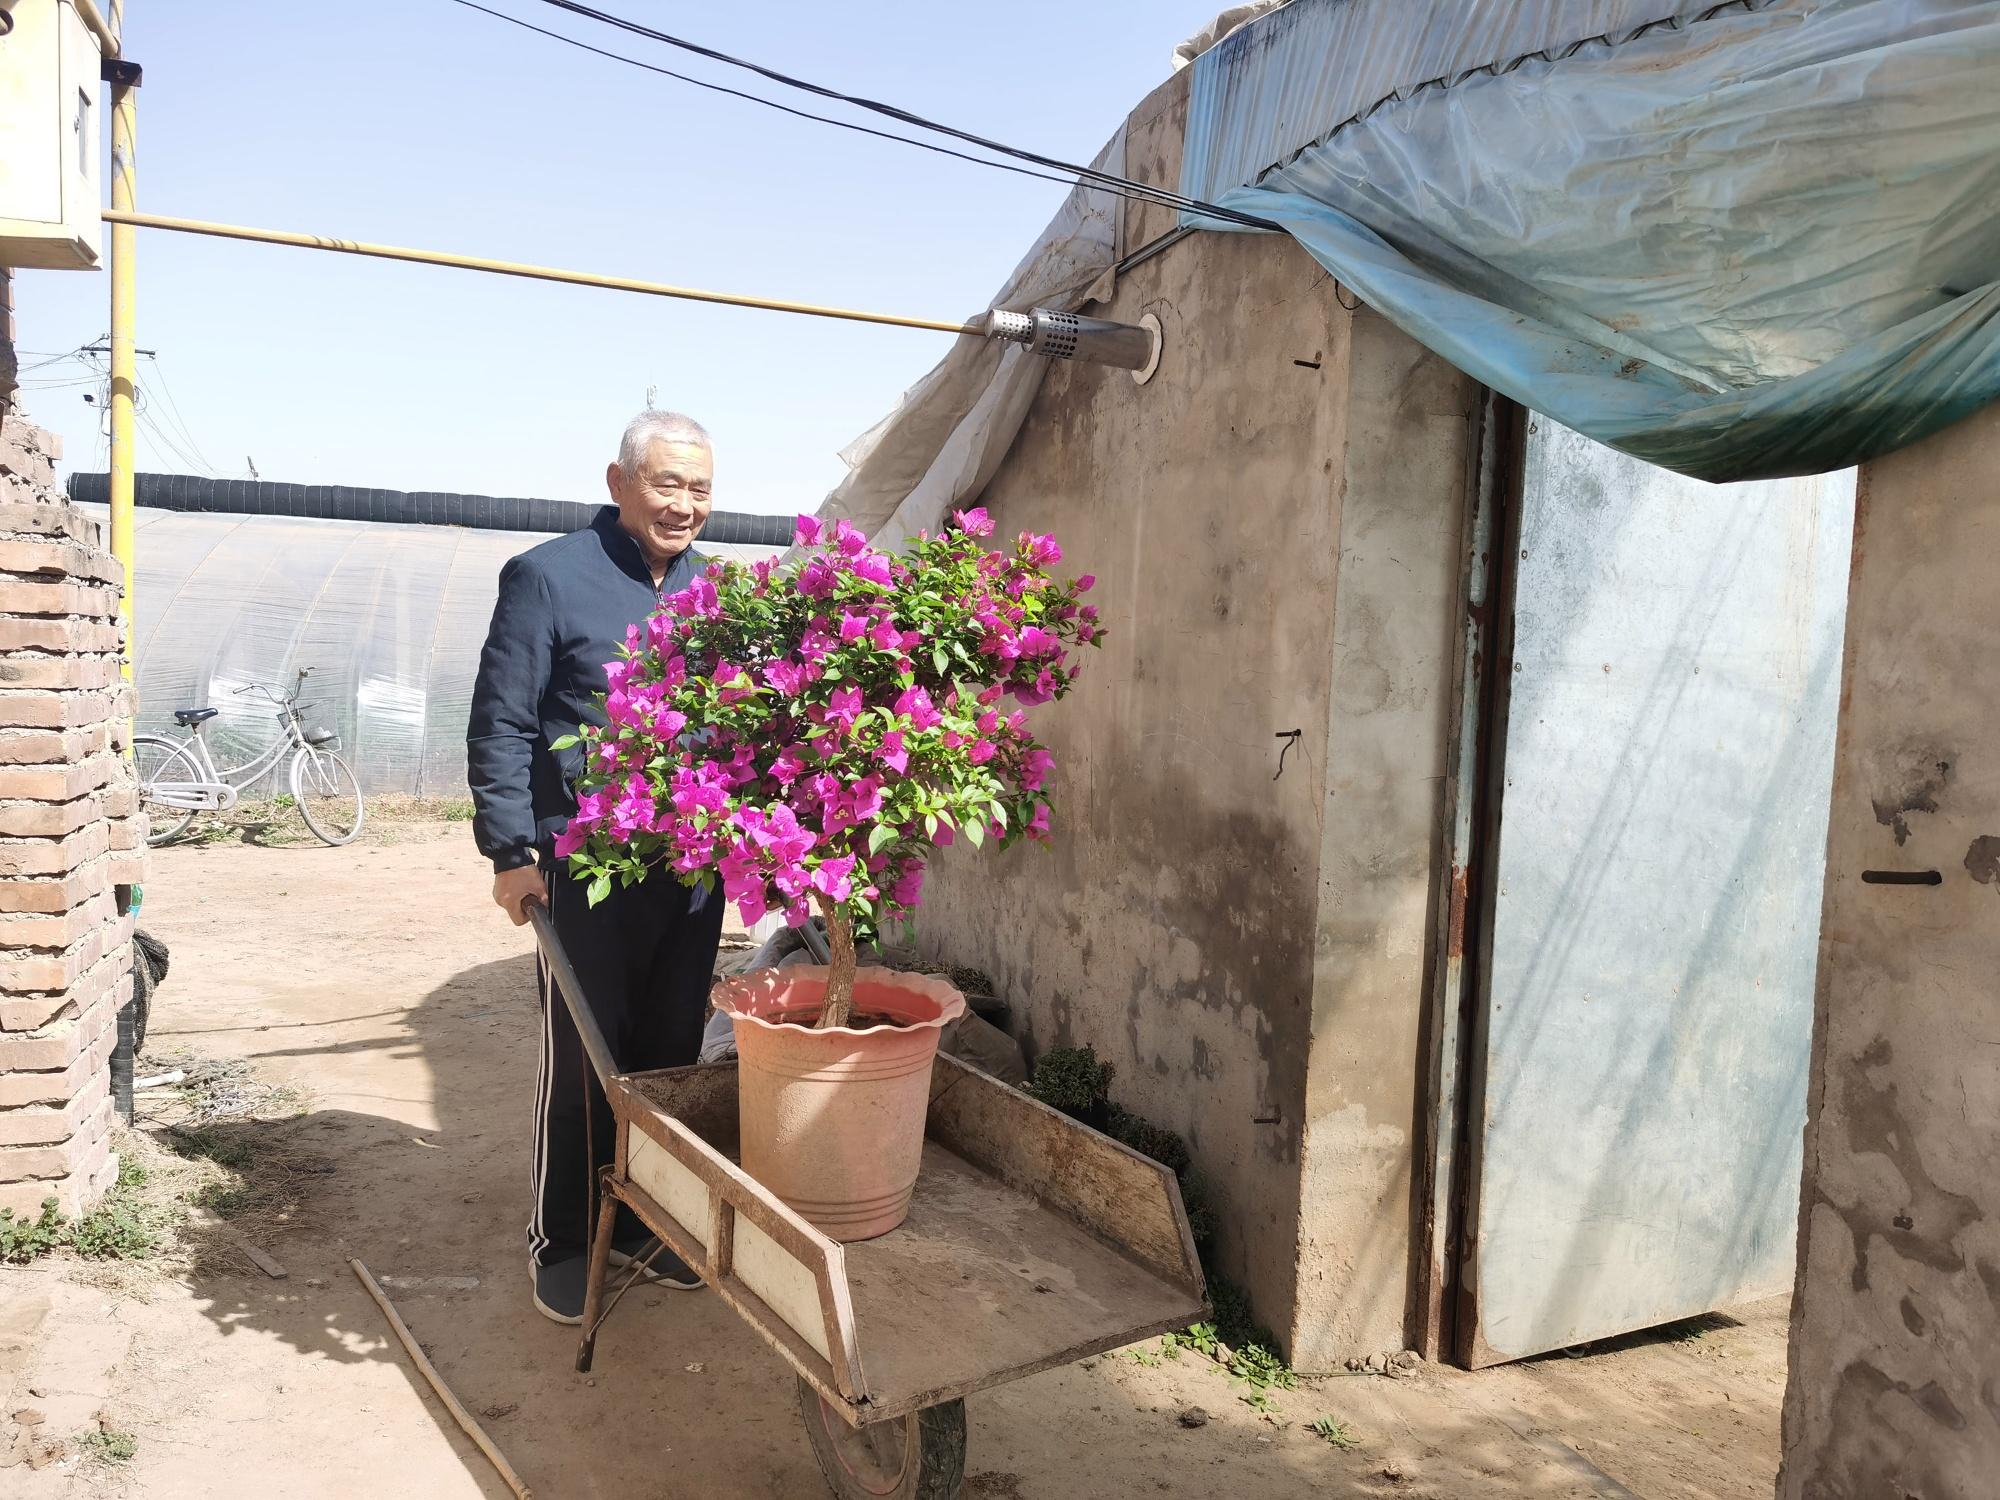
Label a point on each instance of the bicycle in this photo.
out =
(179, 778)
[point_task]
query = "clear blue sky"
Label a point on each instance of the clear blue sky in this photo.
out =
(418, 122)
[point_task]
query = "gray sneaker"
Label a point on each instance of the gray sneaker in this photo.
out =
(559, 1289)
(662, 1266)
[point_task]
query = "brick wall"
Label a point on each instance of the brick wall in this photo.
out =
(70, 834)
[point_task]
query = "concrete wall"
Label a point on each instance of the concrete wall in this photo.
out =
(1273, 521)
(1895, 1349)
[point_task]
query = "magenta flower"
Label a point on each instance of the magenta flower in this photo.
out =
(874, 567)
(974, 522)
(788, 677)
(853, 627)
(892, 754)
(844, 707)
(807, 531)
(915, 704)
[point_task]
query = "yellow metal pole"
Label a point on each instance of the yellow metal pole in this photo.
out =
(124, 311)
(123, 219)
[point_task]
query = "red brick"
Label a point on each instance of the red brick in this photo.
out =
(79, 1156)
(48, 820)
(128, 834)
(61, 673)
(58, 633)
(39, 597)
(28, 970)
(51, 519)
(57, 929)
(60, 894)
(53, 856)
(121, 798)
(105, 989)
(36, 747)
(59, 1084)
(57, 783)
(42, 556)
(57, 710)
(45, 1124)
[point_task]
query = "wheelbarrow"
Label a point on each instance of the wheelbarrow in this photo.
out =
(1031, 1241)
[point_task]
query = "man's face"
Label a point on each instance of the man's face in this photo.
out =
(664, 503)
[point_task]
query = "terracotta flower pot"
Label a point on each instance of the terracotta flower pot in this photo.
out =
(833, 1121)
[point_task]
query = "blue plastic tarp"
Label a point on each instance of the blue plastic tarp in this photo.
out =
(1754, 240)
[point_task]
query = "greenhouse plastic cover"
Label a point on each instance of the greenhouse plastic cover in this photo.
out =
(390, 618)
(1741, 241)
(951, 429)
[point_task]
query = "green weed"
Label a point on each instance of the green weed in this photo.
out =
(1338, 1434)
(108, 1445)
(23, 1240)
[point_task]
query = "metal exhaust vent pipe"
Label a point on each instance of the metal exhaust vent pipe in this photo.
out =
(1061, 335)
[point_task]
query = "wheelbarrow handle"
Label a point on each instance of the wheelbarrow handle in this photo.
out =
(594, 1045)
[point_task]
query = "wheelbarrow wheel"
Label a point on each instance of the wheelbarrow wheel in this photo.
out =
(920, 1457)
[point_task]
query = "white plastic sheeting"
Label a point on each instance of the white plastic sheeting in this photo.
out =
(1743, 240)
(390, 618)
(951, 429)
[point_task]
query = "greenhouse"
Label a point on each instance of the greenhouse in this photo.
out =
(240, 585)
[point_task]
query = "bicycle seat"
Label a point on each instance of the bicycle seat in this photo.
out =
(187, 718)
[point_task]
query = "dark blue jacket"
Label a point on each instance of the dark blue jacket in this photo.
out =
(562, 614)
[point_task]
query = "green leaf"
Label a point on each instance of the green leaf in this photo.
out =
(975, 831)
(880, 836)
(931, 824)
(941, 659)
(999, 814)
(599, 889)
(563, 742)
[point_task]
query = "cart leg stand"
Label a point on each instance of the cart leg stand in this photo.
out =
(918, 1457)
(600, 1264)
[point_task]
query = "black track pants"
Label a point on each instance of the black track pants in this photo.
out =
(644, 960)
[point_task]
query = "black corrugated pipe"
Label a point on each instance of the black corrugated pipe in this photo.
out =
(339, 502)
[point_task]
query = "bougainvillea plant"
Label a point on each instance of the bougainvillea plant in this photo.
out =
(806, 734)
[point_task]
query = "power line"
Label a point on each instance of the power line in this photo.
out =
(717, 88)
(1124, 186)
(180, 422)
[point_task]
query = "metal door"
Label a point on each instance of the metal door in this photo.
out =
(1642, 1015)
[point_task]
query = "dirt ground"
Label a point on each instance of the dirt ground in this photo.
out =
(378, 982)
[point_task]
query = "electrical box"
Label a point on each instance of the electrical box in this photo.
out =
(50, 124)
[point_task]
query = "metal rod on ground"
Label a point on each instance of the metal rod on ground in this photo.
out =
(463, 1417)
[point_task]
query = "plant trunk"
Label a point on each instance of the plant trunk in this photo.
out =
(838, 1007)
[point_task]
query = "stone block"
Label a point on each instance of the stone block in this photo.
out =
(20, 596)
(46, 1124)
(61, 673)
(57, 633)
(80, 1155)
(50, 556)
(64, 929)
(53, 856)
(48, 820)
(58, 894)
(44, 709)
(120, 798)
(51, 519)
(61, 782)
(58, 1085)
(30, 970)
(35, 747)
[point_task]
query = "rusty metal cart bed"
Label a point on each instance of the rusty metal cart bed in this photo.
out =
(1031, 1241)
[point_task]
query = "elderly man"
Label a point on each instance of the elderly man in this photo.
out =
(645, 954)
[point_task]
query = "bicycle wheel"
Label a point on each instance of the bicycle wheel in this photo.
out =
(328, 796)
(158, 760)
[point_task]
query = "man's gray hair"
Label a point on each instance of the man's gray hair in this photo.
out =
(651, 427)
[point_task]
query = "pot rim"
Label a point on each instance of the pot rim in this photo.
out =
(951, 1004)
